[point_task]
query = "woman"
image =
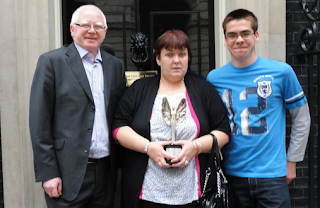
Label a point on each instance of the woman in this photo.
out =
(151, 176)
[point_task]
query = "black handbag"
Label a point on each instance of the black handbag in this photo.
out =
(216, 196)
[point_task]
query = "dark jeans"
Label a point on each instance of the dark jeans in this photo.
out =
(96, 190)
(259, 192)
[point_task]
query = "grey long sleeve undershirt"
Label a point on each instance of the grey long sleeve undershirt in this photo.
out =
(299, 133)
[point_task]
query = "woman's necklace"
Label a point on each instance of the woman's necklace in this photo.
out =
(171, 90)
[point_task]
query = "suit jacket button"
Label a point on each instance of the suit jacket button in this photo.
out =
(90, 130)
(85, 151)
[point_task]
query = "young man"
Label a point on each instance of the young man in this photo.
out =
(74, 94)
(256, 92)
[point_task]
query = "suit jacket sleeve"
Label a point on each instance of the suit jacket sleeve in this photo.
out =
(40, 120)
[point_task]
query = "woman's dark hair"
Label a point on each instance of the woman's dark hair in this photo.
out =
(241, 14)
(176, 39)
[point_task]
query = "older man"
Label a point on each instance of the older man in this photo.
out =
(74, 94)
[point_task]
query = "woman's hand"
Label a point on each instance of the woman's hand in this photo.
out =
(157, 153)
(202, 144)
(188, 151)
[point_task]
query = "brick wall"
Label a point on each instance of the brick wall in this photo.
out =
(296, 21)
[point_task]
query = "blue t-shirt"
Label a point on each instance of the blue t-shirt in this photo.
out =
(256, 98)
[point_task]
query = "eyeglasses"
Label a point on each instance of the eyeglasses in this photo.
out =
(234, 36)
(87, 26)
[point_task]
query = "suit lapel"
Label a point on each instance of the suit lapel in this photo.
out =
(76, 66)
(107, 74)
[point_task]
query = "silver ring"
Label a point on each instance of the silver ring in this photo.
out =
(186, 162)
(159, 163)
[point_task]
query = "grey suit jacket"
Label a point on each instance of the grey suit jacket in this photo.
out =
(62, 114)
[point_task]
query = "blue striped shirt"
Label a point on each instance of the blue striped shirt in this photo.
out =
(99, 142)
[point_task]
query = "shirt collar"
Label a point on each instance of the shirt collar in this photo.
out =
(83, 52)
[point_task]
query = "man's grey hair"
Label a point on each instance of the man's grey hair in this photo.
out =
(75, 15)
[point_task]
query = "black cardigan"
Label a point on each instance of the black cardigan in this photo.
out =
(135, 109)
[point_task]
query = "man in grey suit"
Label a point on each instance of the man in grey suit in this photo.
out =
(74, 94)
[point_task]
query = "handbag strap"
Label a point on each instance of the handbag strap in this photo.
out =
(215, 158)
(215, 151)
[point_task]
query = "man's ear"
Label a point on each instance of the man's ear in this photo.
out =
(71, 30)
(257, 37)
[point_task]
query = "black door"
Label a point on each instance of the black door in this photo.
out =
(152, 18)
